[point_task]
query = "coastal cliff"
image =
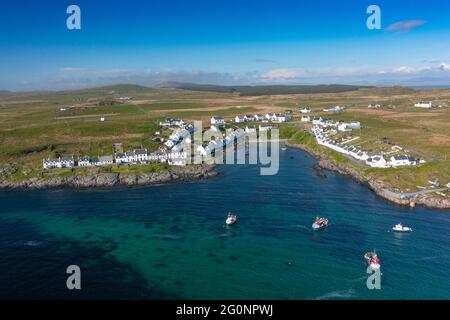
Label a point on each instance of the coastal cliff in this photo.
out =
(173, 174)
(376, 186)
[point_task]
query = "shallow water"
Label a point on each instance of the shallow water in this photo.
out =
(171, 241)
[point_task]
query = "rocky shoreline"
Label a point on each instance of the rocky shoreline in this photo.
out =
(376, 186)
(106, 180)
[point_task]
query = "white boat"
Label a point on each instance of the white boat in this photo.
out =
(231, 219)
(283, 148)
(400, 228)
(319, 223)
(372, 260)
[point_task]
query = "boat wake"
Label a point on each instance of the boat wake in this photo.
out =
(343, 294)
(32, 243)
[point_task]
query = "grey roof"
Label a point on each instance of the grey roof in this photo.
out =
(140, 151)
(105, 158)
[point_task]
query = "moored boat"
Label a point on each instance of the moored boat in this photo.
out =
(319, 223)
(372, 260)
(401, 228)
(231, 219)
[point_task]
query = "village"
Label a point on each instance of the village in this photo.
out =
(172, 152)
(172, 149)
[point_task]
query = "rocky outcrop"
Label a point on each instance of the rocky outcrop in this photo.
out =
(104, 180)
(427, 200)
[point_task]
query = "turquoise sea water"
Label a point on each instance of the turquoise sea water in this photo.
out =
(171, 241)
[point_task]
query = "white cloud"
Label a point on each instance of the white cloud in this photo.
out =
(444, 66)
(404, 69)
(283, 74)
(405, 26)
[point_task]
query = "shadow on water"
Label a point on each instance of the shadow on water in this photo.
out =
(102, 276)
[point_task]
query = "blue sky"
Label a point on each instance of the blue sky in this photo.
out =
(223, 42)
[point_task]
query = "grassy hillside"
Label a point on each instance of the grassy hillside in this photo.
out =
(263, 90)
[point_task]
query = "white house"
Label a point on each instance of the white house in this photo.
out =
(84, 161)
(374, 106)
(105, 161)
(121, 158)
(361, 155)
(269, 116)
(249, 118)
(317, 121)
(426, 105)
(249, 129)
(397, 161)
(51, 163)
(334, 109)
(67, 162)
(140, 155)
(214, 128)
(102, 119)
(217, 120)
(343, 127)
(258, 117)
(239, 119)
(169, 122)
(377, 162)
(265, 127)
(306, 118)
(280, 118)
(354, 125)
(305, 110)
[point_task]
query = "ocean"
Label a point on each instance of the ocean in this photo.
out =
(171, 241)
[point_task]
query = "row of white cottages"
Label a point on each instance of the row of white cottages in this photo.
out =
(339, 125)
(422, 104)
(69, 162)
(178, 136)
(373, 160)
(141, 156)
(269, 117)
(171, 122)
(218, 143)
(137, 156)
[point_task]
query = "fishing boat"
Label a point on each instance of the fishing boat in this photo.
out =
(372, 260)
(319, 223)
(401, 228)
(283, 148)
(231, 219)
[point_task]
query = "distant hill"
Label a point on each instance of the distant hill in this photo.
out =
(263, 89)
(122, 89)
(5, 92)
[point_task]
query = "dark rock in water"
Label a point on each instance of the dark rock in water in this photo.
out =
(319, 171)
(291, 157)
